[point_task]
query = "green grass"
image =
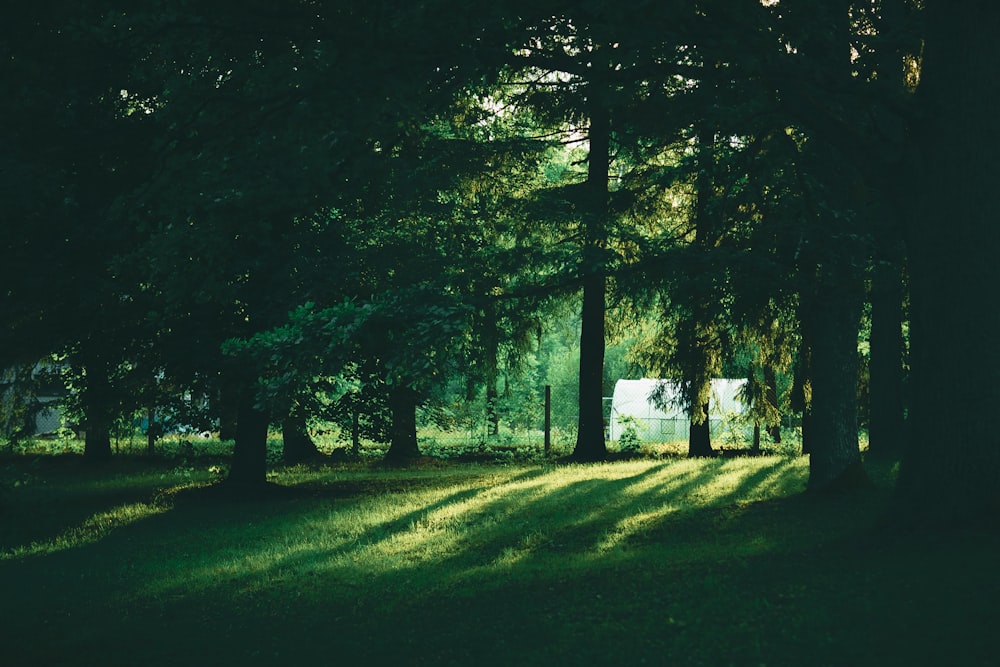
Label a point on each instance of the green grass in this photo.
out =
(666, 562)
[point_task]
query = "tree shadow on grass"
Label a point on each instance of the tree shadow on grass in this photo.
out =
(518, 566)
(44, 499)
(530, 521)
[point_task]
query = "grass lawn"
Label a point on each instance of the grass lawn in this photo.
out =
(667, 562)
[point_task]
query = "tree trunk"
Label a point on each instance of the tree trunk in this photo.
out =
(151, 431)
(695, 337)
(697, 334)
(699, 433)
(886, 422)
(229, 406)
(590, 445)
(834, 452)
(97, 440)
(492, 414)
(98, 411)
(403, 436)
(491, 350)
(886, 429)
(297, 445)
(249, 467)
(951, 467)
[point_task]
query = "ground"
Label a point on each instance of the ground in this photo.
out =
(664, 562)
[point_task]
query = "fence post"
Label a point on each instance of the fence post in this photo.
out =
(548, 419)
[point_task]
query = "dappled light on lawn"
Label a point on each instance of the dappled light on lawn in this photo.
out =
(568, 559)
(526, 519)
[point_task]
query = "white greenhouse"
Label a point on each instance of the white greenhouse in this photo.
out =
(632, 405)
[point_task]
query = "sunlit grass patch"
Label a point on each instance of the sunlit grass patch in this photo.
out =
(470, 514)
(564, 557)
(533, 517)
(49, 505)
(447, 528)
(91, 530)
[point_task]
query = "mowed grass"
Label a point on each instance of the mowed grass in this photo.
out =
(668, 562)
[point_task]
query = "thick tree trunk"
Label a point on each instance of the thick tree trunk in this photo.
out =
(98, 411)
(834, 452)
(699, 433)
(97, 440)
(249, 467)
(886, 430)
(297, 445)
(951, 466)
(886, 427)
(492, 413)
(696, 358)
(403, 436)
(697, 333)
(832, 295)
(590, 445)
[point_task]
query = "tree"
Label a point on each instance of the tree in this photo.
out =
(79, 139)
(951, 467)
(888, 293)
(581, 92)
(616, 75)
(278, 140)
(816, 69)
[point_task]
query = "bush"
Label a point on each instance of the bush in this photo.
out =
(629, 441)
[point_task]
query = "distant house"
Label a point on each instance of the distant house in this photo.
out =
(633, 407)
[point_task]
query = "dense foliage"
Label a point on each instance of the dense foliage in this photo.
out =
(355, 209)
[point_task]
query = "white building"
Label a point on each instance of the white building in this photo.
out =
(632, 405)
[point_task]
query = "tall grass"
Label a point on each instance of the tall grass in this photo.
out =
(668, 562)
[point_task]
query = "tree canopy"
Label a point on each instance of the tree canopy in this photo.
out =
(265, 203)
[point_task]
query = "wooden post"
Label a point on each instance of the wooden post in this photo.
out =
(548, 419)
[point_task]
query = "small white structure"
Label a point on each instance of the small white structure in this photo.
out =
(21, 395)
(631, 405)
(49, 417)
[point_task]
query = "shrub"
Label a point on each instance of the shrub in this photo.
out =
(629, 441)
